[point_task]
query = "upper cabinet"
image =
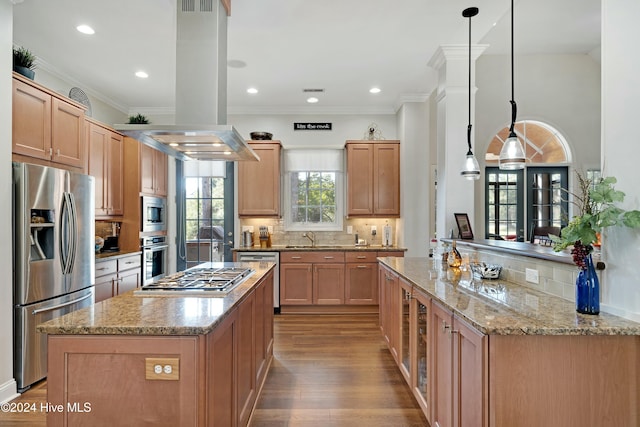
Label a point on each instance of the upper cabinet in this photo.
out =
(105, 163)
(153, 171)
(259, 182)
(373, 178)
(47, 126)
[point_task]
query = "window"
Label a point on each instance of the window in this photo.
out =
(313, 190)
(541, 196)
(204, 219)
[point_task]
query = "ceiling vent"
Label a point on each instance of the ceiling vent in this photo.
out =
(313, 90)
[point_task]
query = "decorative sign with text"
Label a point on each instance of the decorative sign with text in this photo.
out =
(312, 126)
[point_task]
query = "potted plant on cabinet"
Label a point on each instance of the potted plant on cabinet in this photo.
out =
(138, 120)
(24, 62)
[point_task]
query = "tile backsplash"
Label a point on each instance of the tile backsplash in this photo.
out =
(106, 228)
(361, 226)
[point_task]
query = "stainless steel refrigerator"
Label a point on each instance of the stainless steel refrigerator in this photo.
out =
(54, 252)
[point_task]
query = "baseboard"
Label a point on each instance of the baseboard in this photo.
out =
(329, 309)
(8, 391)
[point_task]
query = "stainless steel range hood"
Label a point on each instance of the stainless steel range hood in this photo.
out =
(200, 132)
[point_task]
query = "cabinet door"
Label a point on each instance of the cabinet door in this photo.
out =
(67, 133)
(422, 378)
(406, 294)
(386, 179)
(160, 173)
(31, 121)
(328, 284)
(104, 287)
(469, 376)
(128, 280)
(97, 141)
(147, 160)
(390, 289)
(221, 363)
(442, 348)
(114, 194)
(359, 179)
(296, 284)
(259, 182)
(361, 283)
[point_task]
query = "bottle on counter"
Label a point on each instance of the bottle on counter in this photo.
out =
(454, 259)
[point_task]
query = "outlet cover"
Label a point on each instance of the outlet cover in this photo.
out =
(349, 229)
(374, 230)
(531, 275)
(270, 229)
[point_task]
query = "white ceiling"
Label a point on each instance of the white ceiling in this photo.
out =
(342, 46)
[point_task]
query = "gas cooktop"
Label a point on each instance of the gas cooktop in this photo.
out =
(206, 281)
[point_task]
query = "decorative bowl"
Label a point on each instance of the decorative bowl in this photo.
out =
(486, 271)
(261, 136)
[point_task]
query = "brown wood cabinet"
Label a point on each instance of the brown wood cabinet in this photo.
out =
(47, 126)
(117, 276)
(389, 305)
(311, 278)
(153, 171)
(259, 182)
(373, 178)
(361, 278)
(105, 163)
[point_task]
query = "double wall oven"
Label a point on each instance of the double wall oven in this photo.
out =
(154, 238)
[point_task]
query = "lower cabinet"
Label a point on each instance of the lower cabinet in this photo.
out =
(117, 276)
(311, 278)
(361, 278)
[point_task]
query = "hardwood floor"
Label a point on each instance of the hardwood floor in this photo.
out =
(333, 370)
(25, 410)
(328, 370)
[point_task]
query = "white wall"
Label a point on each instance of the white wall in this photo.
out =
(7, 382)
(621, 151)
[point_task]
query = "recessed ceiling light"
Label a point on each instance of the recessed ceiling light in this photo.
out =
(252, 90)
(142, 74)
(228, 153)
(217, 144)
(312, 100)
(374, 90)
(173, 144)
(85, 29)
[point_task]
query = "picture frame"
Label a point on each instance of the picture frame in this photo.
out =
(464, 226)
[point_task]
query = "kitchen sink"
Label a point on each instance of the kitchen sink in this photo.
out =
(314, 247)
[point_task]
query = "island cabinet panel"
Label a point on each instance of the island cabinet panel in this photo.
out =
(246, 378)
(263, 328)
(86, 370)
(221, 349)
(564, 380)
(390, 309)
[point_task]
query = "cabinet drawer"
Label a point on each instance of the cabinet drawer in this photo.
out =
(357, 256)
(104, 268)
(311, 256)
(391, 254)
(128, 262)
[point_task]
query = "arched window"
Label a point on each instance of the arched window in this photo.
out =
(516, 205)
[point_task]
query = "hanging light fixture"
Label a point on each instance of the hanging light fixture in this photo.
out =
(470, 169)
(512, 155)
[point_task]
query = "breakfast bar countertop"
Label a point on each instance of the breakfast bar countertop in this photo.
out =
(130, 314)
(498, 307)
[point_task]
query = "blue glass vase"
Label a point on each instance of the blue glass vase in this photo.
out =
(588, 289)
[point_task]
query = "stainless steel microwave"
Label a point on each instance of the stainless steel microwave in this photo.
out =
(154, 213)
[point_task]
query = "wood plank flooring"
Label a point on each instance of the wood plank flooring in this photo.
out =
(328, 370)
(333, 370)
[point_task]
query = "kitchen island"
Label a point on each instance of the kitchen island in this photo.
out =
(495, 353)
(163, 360)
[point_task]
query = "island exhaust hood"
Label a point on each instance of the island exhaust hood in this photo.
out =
(201, 91)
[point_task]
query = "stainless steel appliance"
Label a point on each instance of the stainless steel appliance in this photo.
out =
(273, 257)
(53, 249)
(154, 210)
(154, 258)
(202, 280)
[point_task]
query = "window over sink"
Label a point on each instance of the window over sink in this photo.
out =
(314, 195)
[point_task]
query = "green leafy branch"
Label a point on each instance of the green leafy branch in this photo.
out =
(597, 211)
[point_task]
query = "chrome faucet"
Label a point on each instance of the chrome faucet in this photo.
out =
(311, 236)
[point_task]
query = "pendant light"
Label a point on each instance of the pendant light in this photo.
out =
(512, 155)
(470, 169)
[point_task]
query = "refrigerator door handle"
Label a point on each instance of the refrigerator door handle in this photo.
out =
(64, 233)
(73, 232)
(57, 306)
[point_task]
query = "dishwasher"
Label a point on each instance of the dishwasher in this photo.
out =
(273, 257)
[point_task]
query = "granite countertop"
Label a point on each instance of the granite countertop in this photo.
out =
(285, 248)
(115, 255)
(498, 307)
(129, 314)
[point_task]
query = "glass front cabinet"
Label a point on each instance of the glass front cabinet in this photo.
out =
(421, 382)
